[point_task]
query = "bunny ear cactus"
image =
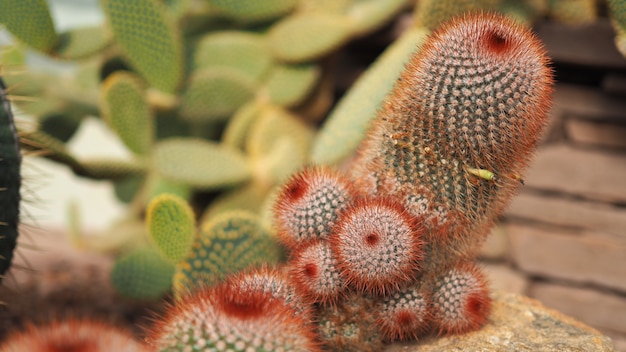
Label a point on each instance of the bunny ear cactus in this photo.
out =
(10, 181)
(227, 243)
(617, 13)
(30, 22)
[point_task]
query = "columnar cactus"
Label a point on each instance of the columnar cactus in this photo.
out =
(10, 182)
(460, 127)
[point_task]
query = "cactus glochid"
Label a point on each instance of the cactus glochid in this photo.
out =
(10, 182)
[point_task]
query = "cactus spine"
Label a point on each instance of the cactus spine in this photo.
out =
(10, 182)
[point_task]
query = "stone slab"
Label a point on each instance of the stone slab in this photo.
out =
(596, 133)
(589, 45)
(502, 277)
(570, 213)
(584, 257)
(599, 309)
(518, 324)
(588, 102)
(586, 173)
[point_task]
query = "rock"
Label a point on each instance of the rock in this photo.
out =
(568, 213)
(603, 310)
(578, 256)
(584, 173)
(519, 324)
(596, 133)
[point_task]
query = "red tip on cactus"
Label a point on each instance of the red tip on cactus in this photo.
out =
(309, 204)
(404, 315)
(378, 245)
(461, 300)
(313, 269)
(239, 316)
(72, 335)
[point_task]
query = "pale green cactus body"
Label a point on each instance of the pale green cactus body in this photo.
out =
(431, 13)
(288, 85)
(369, 15)
(215, 93)
(30, 22)
(574, 12)
(171, 226)
(199, 163)
(149, 40)
(124, 108)
(617, 12)
(80, 43)
(247, 52)
(306, 37)
(253, 10)
(143, 273)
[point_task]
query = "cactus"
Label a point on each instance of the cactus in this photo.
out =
(171, 225)
(72, 335)
(233, 318)
(460, 299)
(379, 246)
(227, 243)
(617, 13)
(484, 109)
(309, 204)
(314, 270)
(10, 182)
(405, 314)
(142, 274)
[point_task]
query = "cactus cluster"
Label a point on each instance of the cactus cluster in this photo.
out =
(219, 96)
(384, 250)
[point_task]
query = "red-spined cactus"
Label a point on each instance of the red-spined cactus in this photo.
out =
(405, 314)
(309, 204)
(460, 126)
(232, 317)
(313, 269)
(72, 335)
(460, 299)
(378, 245)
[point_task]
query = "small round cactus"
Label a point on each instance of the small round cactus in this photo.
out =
(309, 204)
(460, 300)
(404, 315)
(233, 318)
(72, 335)
(313, 268)
(378, 245)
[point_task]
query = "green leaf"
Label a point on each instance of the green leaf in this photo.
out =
(124, 107)
(306, 37)
(253, 10)
(214, 94)
(149, 40)
(289, 85)
(82, 42)
(171, 224)
(199, 163)
(347, 124)
(30, 22)
(142, 274)
(228, 243)
(243, 51)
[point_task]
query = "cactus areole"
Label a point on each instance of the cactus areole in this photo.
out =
(10, 181)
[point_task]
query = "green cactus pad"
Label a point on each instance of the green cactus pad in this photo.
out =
(171, 226)
(142, 274)
(347, 124)
(214, 94)
(10, 182)
(82, 42)
(370, 15)
(157, 185)
(289, 85)
(199, 163)
(279, 144)
(148, 39)
(431, 13)
(249, 197)
(228, 243)
(307, 37)
(253, 10)
(243, 51)
(110, 169)
(126, 188)
(30, 22)
(124, 108)
(238, 127)
(325, 6)
(60, 126)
